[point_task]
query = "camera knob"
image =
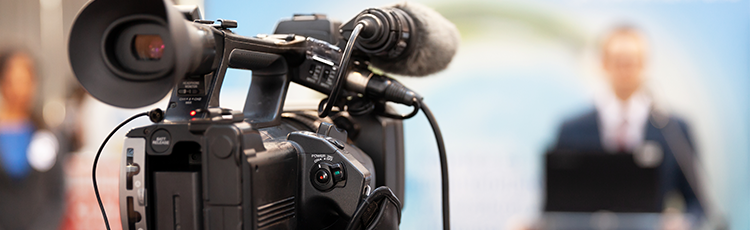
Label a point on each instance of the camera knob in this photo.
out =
(322, 176)
(326, 175)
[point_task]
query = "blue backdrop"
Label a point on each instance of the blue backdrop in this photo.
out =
(523, 67)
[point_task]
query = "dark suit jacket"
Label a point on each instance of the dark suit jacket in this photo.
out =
(581, 134)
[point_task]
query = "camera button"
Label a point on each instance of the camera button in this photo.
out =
(160, 141)
(322, 176)
(338, 173)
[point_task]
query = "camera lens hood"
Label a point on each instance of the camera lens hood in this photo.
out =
(103, 60)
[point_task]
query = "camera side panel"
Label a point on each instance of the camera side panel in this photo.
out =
(333, 181)
(271, 182)
(133, 198)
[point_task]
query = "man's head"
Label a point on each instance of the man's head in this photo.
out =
(17, 81)
(623, 55)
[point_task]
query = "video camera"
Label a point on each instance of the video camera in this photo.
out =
(201, 166)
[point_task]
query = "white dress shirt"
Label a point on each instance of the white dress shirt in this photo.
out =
(622, 124)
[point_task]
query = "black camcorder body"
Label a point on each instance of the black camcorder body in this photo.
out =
(201, 166)
(222, 174)
(217, 169)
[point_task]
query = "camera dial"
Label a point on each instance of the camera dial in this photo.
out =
(326, 175)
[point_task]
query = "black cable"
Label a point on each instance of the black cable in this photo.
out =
(96, 160)
(415, 104)
(443, 163)
(338, 85)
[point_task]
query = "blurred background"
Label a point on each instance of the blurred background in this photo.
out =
(523, 68)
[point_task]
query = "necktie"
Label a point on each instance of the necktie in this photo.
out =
(621, 137)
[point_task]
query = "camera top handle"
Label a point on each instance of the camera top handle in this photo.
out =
(270, 59)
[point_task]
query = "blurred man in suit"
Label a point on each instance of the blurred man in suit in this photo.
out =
(625, 120)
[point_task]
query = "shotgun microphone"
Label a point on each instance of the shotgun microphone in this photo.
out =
(407, 39)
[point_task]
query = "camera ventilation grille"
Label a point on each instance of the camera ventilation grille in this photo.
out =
(275, 212)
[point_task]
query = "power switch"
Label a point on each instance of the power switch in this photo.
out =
(320, 176)
(338, 173)
(326, 175)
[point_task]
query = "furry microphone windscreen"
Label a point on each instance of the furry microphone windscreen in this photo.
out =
(435, 45)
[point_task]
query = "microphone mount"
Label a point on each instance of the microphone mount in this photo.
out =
(387, 32)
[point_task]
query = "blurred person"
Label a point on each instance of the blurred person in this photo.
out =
(31, 181)
(625, 120)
